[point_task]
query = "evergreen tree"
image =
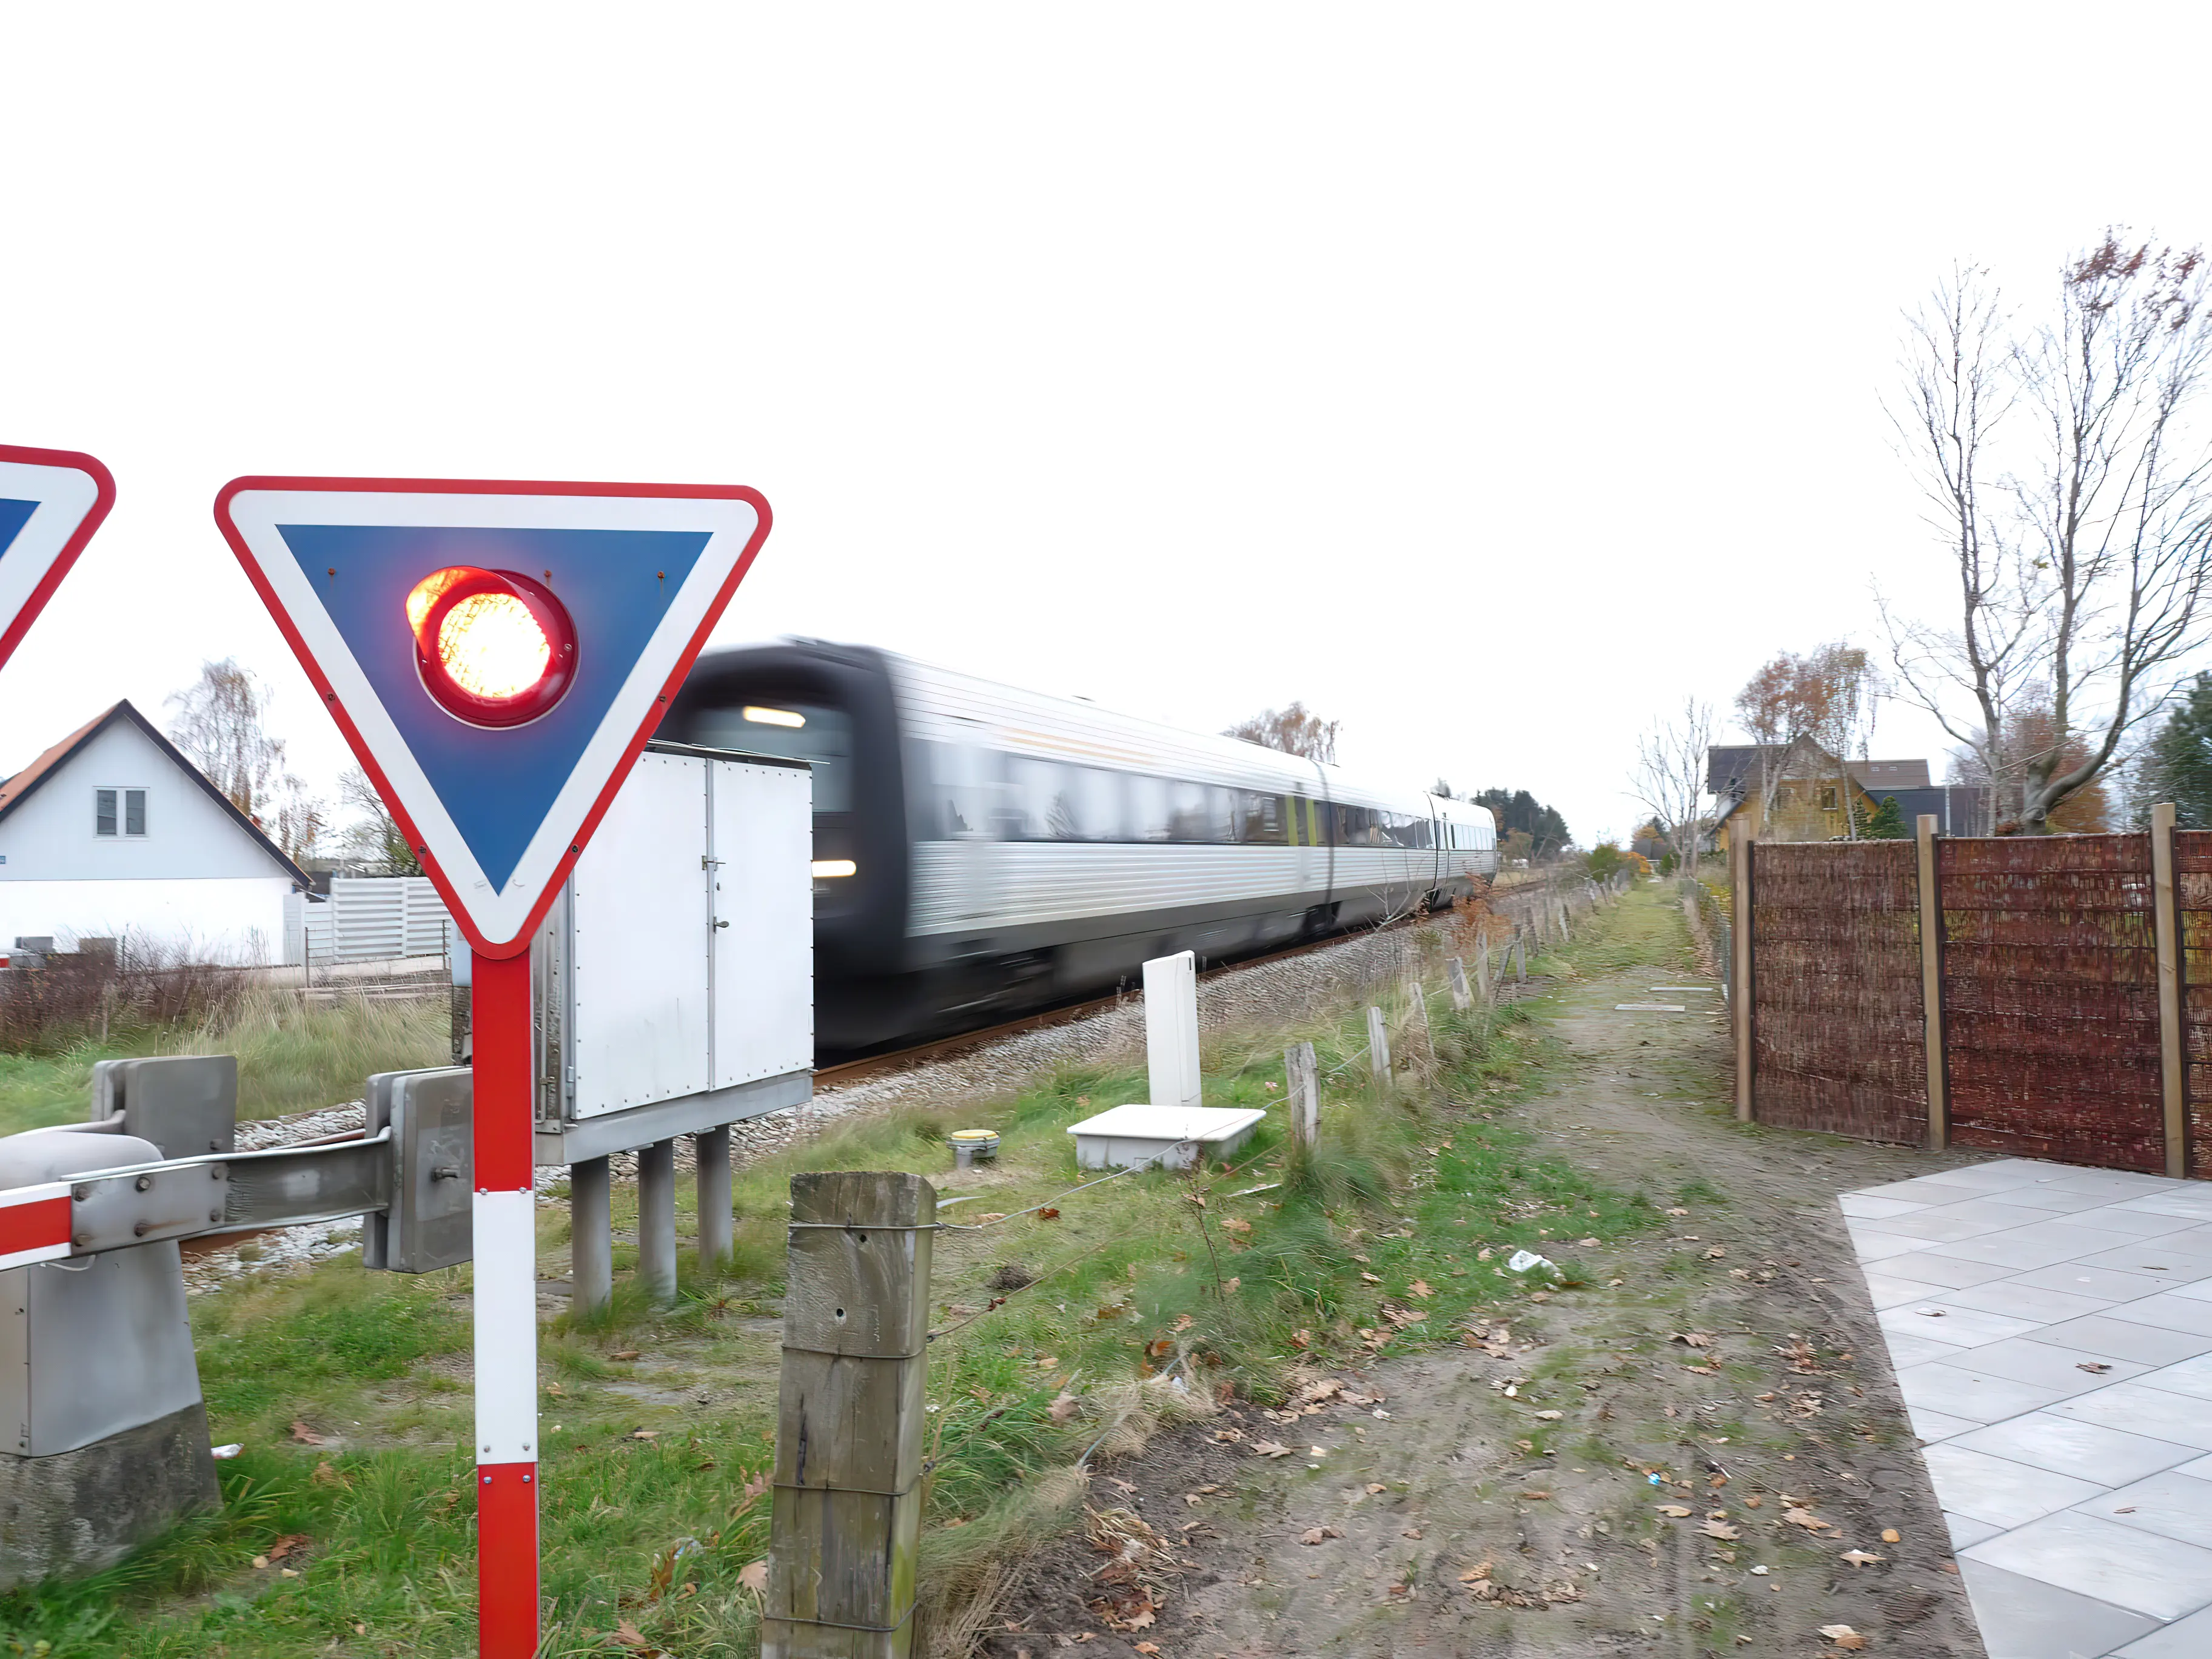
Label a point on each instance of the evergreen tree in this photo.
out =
(1887, 823)
(1519, 809)
(2177, 764)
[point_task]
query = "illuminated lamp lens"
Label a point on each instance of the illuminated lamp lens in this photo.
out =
(825, 868)
(493, 649)
(774, 717)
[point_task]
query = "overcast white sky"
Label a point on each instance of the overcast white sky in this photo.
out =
(1488, 383)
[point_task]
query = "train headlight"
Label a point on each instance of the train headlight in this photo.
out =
(824, 869)
(788, 717)
(493, 649)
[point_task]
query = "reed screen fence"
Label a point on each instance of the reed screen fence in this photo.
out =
(2044, 991)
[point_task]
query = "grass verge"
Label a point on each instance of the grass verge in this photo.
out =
(1067, 1334)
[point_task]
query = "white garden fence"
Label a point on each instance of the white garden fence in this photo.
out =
(367, 918)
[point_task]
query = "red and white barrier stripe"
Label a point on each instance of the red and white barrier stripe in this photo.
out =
(506, 1313)
(35, 1224)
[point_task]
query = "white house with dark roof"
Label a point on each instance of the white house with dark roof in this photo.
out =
(114, 834)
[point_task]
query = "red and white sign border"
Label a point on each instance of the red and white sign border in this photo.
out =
(75, 493)
(497, 922)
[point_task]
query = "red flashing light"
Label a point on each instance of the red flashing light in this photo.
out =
(493, 649)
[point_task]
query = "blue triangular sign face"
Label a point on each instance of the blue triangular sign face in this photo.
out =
(51, 501)
(497, 813)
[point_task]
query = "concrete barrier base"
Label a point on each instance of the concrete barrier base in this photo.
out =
(76, 1512)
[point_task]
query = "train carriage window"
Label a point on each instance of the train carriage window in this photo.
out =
(1151, 815)
(961, 792)
(1199, 812)
(796, 731)
(1260, 818)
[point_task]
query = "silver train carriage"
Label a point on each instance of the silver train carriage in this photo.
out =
(980, 850)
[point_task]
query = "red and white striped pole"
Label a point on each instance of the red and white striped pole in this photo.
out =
(506, 1250)
(35, 1224)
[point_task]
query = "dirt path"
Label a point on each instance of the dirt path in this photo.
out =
(1427, 1522)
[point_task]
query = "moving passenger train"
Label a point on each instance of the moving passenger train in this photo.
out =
(981, 850)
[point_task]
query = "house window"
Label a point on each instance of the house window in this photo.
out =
(1828, 800)
(119, 811)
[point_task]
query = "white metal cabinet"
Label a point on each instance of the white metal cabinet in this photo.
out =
(761, 824)
(639, 964)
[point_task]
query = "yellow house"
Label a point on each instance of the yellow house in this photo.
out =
(1798, 791)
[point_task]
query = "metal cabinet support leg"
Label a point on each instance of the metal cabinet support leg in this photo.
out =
(591, 1235)
(656, 1220)
(711, 1151)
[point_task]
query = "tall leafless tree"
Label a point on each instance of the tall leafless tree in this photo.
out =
(221, 722)
(1294, 730)
(1668, 778)
(2083, 549)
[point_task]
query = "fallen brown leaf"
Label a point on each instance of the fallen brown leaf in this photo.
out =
(303, 1434)
(1475, 1574)
(1891, 1535)
(1674, 1510)
(754, 1576)
(1270, 1448)
(1419, 1287)
(1318, 1535)
(1063, 1406)
(1844, 1636)
(624, 1353)
(1720, 1529)
(1805, 1519)
(1860, 1558)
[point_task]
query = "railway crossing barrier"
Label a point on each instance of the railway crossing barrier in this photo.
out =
(112, 1442)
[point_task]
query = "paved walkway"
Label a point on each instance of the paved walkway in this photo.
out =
(2052, 1330)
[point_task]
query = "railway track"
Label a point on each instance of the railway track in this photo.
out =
(828, 1078)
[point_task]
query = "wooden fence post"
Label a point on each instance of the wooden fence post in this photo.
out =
(846, 1526)
(1378, 1048)
(1482, 966)
(1740, 902)
(1302, 1081)
(1931, 986)
(2173, 1046)
(1456, 970)
(1520, 959)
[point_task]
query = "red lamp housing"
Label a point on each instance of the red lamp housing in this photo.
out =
(493, 649)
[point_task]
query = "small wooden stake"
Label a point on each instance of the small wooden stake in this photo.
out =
(1462, 998)
(2172, 1061)
(1482, 968)
(1931, 986)
(846, 1526)
(1302, 1084)
(1378, 1048)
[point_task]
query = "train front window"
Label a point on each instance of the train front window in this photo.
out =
(796, 731)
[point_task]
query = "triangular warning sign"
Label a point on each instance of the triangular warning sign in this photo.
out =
(51, 501)
(496, 811)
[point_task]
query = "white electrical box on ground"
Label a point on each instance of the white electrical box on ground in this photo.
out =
(675, 973)
(1170, 1137)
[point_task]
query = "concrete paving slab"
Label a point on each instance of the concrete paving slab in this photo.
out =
(2088, 1451)
(1959, 1327)
(1889, 1292)
(2024, 1619)
(2050, 1365)
(1942, 1224)
(2166, 1311)
(2000, 1492)
(2184, 1638)
(2019, 1301)
(2070, 1268)
(2023, 1247)
(1870, 1246)
(1957, 1391)
(2093, 1556)
(1930, 1268)
(2192, 1376)
(2118, 1285)
(2150, 1255)
(2173, 1505)
(1966, 1531)
(1933, 1427)
(2177, 1417)
(2117, 1338)
(1859, 1206)
(1929, 1190)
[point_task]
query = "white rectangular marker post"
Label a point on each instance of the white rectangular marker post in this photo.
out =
(496, 654)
